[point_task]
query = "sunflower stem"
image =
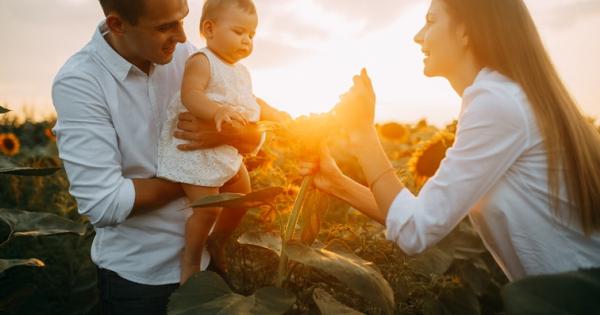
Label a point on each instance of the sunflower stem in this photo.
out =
(290, 228)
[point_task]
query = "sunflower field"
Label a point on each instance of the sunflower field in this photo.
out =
(332, 259)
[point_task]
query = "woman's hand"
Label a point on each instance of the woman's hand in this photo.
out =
(326, 173)
(356, 109)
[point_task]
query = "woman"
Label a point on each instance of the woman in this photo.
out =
(525, 165)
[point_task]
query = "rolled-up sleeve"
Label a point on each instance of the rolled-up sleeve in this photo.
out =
(88, 146)
(492, 134)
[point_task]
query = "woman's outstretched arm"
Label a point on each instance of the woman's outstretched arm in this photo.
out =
(356, 112)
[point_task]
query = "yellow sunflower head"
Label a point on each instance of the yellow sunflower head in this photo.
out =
(9, 144)
(394, 131)
(425, 161)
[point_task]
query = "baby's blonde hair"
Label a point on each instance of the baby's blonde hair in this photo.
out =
(212, 8)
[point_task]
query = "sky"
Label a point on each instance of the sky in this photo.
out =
(306, 52)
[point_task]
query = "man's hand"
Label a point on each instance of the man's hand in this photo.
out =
(203, 135)
(228, 115)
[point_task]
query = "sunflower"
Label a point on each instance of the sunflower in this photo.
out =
(9, 144)
(425, 161)
(394, 131)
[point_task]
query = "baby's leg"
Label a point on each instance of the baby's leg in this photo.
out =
(228, 219)
(196, 229)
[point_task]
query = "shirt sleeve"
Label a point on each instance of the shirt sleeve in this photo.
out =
(491, 135)
(88, 146)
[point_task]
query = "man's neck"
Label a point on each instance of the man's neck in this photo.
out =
(121, 48)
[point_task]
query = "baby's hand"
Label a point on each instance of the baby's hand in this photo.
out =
(227, 114)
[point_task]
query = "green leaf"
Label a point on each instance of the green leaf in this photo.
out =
(350, 269)
(25, 223)
(207, 293)
(459, 301)
(268, 241)
(29, 171)
(6, 264)
(432, 261)
(574, 292)
(4, 110)
(314, 208)
(328, 305)
(234, 200)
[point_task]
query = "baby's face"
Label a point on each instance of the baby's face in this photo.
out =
(232, 34)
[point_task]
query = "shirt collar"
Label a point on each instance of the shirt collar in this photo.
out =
(116, 64)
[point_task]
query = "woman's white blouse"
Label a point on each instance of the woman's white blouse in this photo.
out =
(496, 174)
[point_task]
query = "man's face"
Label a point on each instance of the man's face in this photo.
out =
(154, 37)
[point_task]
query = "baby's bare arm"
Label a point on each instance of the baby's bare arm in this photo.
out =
(195, 81)
(268, 112)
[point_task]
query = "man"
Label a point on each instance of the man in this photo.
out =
(110, 98)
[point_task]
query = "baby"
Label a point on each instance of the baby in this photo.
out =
(217, 88)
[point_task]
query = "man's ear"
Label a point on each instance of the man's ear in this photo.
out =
(115, 24)
(207, 29)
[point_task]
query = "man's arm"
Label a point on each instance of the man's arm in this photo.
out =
(202, 135)
(153, 193)
(88, 146)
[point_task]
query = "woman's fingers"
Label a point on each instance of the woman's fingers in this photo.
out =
(308, 168)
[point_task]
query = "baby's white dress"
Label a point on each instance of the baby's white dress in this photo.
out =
(229, 85)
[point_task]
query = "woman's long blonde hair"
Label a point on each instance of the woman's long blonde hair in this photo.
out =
(504, 37)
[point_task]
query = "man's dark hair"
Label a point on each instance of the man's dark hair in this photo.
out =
(129, 10)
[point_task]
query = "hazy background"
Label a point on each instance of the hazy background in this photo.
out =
(306, 52)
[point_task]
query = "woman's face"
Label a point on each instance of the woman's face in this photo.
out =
(442, 42)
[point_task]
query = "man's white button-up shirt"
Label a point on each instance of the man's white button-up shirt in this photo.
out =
(110, 115)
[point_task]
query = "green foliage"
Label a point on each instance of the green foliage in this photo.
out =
(206, 293)
(356, 273)
(28, 171)
(464, 279)
(328, 305)
(234, 200)
(567, 293)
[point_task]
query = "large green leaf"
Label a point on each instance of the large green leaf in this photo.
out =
(29, 171)
(268, 241)
(573, 292)
(25, 223)
(234, 200)
(314, 208)
(6, 264)
(4, 110)
(328, 305)
(432, 261)
(207, 293)
(348, 268)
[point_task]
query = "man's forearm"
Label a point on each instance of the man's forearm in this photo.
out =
(245, 138)
(152, 193)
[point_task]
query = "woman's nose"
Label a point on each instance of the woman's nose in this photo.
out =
(419, 36)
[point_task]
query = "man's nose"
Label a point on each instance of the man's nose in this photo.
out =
(180, 34)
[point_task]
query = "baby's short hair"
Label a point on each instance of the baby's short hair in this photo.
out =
(211, 8)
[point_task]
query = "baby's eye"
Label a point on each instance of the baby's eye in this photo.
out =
(238, 32)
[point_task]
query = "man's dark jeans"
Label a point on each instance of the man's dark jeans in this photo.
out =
(120, 296)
